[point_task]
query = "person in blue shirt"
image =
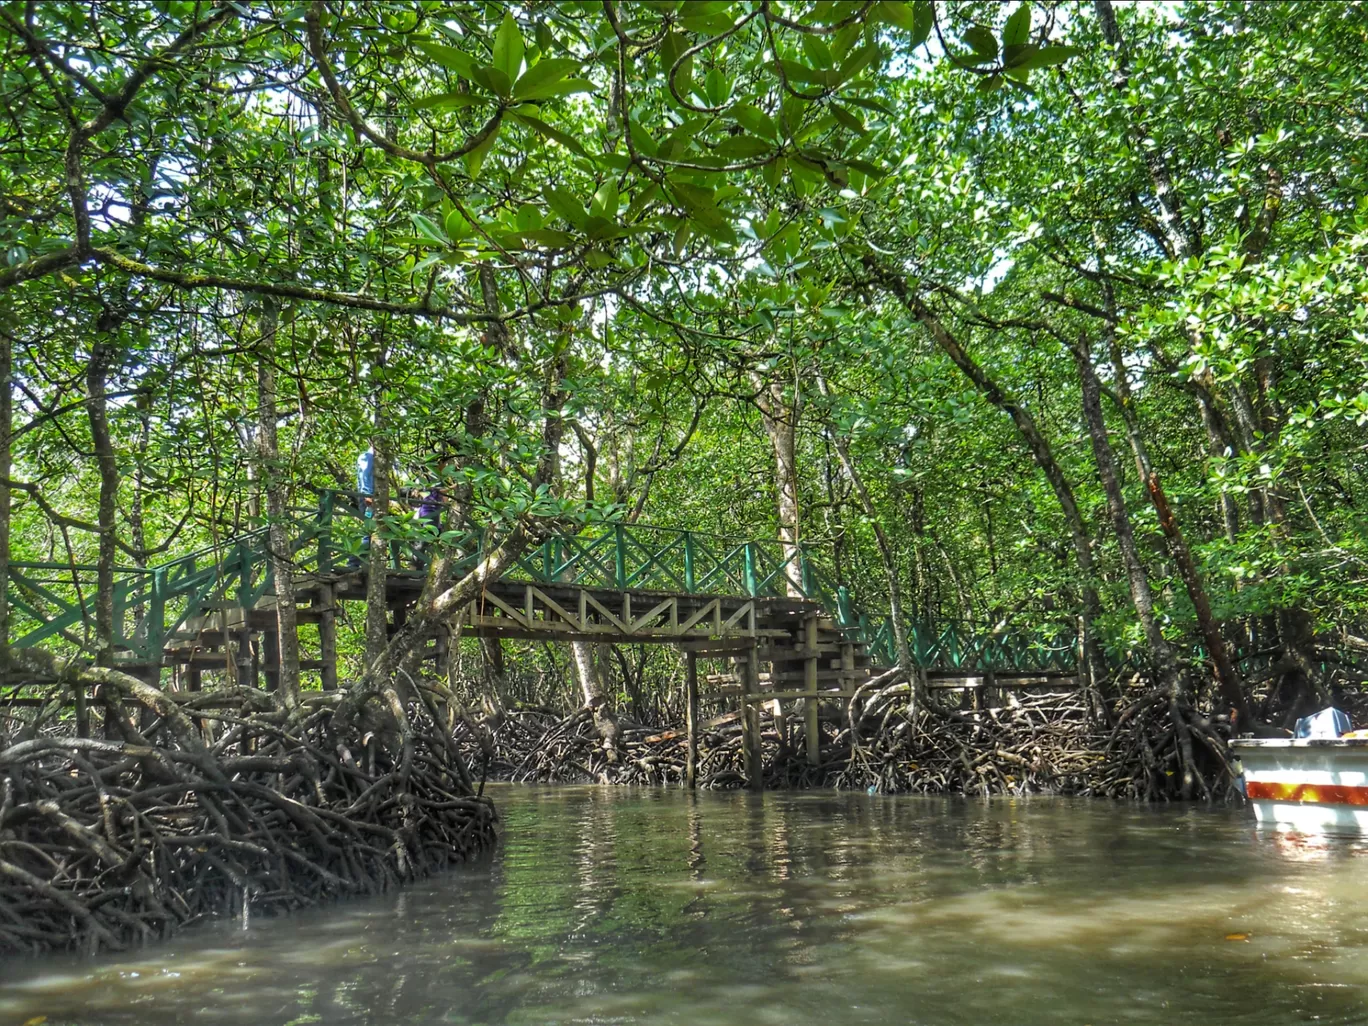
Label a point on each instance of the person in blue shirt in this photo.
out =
(365, 481)
(365, 500)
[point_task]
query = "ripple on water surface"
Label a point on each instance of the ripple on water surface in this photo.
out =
(631, 906)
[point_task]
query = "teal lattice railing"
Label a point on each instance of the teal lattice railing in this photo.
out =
(54, 602)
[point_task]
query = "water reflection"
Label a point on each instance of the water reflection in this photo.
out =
(617, 905)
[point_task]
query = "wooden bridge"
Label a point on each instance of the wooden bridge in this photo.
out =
(789, 633)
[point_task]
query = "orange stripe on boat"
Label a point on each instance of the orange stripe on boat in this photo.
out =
(1329, 794)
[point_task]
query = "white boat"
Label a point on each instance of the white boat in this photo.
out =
(1312, 785)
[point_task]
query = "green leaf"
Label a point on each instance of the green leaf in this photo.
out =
(896, 13)
(857, 62)
(644, 141)
(551, 132)
(474, 160)
(869, 104)
(605, 200)
(924, 18)
(448, 101)
(529, 218)
(701, 206)
(448, 56)
(717, 87)
(549, 237)
(848, 119)
(564, 203)
(564, 87)
(773, 172)
(755, 121)
(742, 146)
(492, 79)
(801, 73)
(552, 69)
(457, 227)
(816, 50)
(1049, 56)
(429, 229)
(981, 40)
(1017, 29)
(508, 48)
(1015, 56)
(873, 171)
(681, 236)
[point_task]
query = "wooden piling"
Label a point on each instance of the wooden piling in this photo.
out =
(691, 717)
(750, 720)
(811, 727)
(327, 635)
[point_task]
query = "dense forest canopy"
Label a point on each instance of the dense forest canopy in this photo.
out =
(1021, 314)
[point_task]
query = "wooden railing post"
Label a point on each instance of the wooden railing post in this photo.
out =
(748, 556)
(156, 618)
(806, 579)
(620, 563)
(244, 572)
(690, 582)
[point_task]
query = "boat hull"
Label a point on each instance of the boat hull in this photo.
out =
(1314, 785)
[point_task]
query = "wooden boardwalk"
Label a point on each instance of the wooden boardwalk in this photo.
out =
(787, 634)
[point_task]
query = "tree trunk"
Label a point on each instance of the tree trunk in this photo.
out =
(1167, 671)
(6, 461)
(102, 357)
(278, 534)
(1035, 442)
(377, 611)
(897, 614)
(780, 418)
(1227, 678)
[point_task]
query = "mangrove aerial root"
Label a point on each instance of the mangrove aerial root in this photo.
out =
(1043, 743)
(108, 842)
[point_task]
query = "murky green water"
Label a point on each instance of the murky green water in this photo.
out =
(623, 906)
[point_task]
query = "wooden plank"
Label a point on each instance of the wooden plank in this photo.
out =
(763, 696)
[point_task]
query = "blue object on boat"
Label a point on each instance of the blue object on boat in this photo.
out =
(1329, 722)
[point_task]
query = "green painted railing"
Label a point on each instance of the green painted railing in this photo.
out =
(54, 602)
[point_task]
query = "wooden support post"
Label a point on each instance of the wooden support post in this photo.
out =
(270, 658)
(811, 727)
(194, 678)
(327, 636)
(238, 645)
(781, 725)
(750, 720)
(252, 654)
(691, 717)
(82, 711)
